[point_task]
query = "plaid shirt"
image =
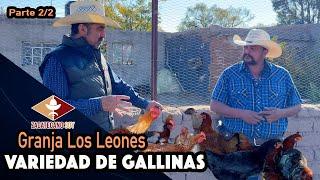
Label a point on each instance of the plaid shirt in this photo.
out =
(237, 88)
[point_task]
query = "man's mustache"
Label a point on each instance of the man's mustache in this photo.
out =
(249, 60)
(245, 56)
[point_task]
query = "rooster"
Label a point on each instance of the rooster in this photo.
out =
(240, 164)
(196, 139)
(291, 140)
(217, 142)
(291, 163)
(272, 171)
(144, 122)
(167, 128)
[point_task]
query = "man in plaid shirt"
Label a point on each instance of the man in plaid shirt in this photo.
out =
(255, 96)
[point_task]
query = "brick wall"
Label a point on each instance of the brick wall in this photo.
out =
(303, 40)
(140, 71)
(14, 31)
(219, 58)
(308, 123)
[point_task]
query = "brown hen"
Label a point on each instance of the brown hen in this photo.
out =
(196, 139)
(217, 143)
(167, 128)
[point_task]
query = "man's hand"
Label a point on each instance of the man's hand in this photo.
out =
(116, 103)
(271, 114)
(250, 117)
(154, 104)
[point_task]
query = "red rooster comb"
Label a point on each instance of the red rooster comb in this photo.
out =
(155, 112)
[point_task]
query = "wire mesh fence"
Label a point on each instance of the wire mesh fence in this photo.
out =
(189, 61)
(191, 54)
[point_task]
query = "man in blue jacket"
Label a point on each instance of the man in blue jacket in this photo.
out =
(77, 71)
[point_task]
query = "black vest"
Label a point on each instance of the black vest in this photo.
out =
(87, 74)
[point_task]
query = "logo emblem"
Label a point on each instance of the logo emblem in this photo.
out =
(53, 108)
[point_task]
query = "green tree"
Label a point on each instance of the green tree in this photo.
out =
(131, 15)
(297, 11)
(202, 16)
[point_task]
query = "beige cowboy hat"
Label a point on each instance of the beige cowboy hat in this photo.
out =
(261, 38)
(86, 12)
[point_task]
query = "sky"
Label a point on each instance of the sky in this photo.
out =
(173, 11)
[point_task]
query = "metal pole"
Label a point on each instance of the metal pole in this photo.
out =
(154, 50)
